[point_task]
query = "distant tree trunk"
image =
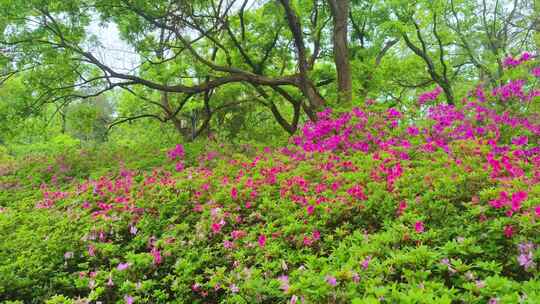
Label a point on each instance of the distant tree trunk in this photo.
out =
(63, 115)
(340, 12)
(537, 25)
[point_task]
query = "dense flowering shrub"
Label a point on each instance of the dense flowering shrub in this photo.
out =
(365, 207)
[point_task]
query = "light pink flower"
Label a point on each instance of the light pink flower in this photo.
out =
(128, 299)
(331, 281)
(122, 266)
(156, 254)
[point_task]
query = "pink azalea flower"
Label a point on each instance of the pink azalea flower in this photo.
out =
(216, 227)
(413, 131)
(177, 152)
(179, 167)
(262, 240)
(536, 71)
(307, 241)
(238, 234)
(284, 283)
(128, 299)
(355, 277)
(310, 209)
(401, 208)
(234, 193)
(419, 227)
(122, 266)
(228, 244)
(537, 210)
(91, 250)
(508, 231)
(526, 260)
(517, 199)
(294, 299)
(520, 140)
(331, 281)
(365, 262)
(156, 254)
(110, 282)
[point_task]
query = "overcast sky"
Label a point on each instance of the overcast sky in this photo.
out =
(113, 51)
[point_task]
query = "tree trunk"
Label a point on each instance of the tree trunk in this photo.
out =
(340, 12)
(316, 101)
(537, 25)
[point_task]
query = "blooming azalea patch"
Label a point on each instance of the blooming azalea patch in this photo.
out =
(446, 204)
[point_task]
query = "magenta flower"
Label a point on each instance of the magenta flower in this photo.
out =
(365, 262)
(357, 192)
(419, 227)
(401, 208)
(234, 193)
(179, 167)
(393, 113)
(176, 153)
(156, 254)
(316, 235)
(537, 210)
(520, 141)
(508, 231)
(517, 199)
(413, 131)
(429, 96)
(216, 228)
(262, 240)
(536, 71)
(310, 209)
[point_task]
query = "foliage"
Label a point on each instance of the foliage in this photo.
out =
(436, 205)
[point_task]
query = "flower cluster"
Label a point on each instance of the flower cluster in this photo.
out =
(429, 96)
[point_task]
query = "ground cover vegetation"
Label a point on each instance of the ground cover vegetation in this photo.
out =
(270, 152)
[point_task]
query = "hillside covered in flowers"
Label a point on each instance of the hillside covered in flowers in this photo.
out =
(432, 204)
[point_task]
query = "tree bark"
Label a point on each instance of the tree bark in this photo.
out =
(340, 12)
(316, 101)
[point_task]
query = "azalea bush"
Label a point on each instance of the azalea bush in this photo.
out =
(367, 206)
